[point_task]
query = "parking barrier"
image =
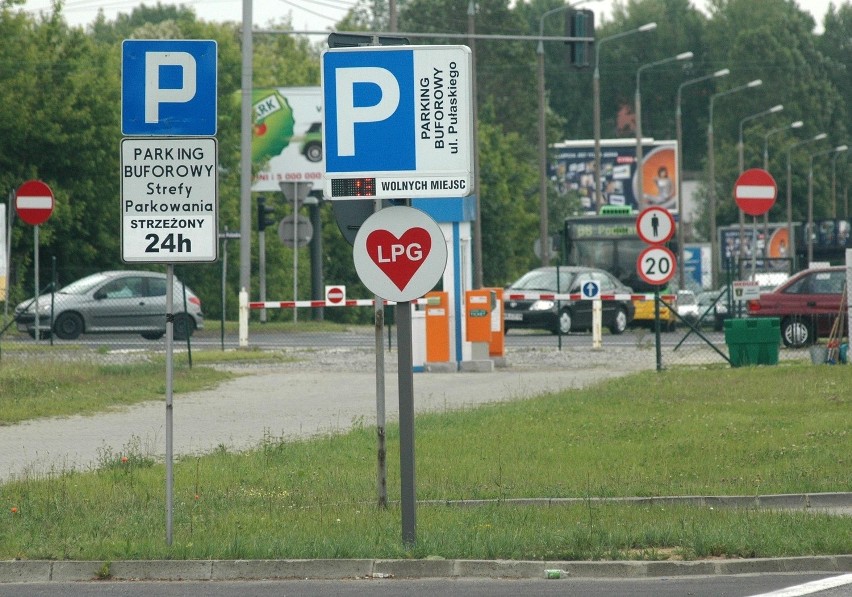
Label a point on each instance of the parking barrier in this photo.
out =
(246, 306)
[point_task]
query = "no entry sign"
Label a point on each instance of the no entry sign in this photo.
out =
(755, 191)
(34, 202)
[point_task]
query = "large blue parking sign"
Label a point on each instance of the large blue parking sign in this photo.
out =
(168, 88)
(398, 122)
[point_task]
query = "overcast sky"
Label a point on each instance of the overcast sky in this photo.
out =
(306, 14)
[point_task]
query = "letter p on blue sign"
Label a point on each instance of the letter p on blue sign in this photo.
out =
(168, 88)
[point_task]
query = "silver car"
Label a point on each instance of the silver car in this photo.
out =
(112, 302)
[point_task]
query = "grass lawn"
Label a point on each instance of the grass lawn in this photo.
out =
(684, 431)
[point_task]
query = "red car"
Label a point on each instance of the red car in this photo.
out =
(808, 305)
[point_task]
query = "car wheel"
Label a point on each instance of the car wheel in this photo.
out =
(313, 151)
(183, 326)
(563, 324)
(619, 324)
(796, 332)
(68, 326)
(153, 335)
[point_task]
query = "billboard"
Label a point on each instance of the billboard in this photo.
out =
(572, 168)
(768, 246)
(287, 136)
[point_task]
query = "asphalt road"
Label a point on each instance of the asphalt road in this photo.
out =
(700, 586)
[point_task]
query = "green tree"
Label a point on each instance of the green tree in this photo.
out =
(773, 41)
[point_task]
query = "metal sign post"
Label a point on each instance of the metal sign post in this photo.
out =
(400, 254)
(405, 360)
(169, 173)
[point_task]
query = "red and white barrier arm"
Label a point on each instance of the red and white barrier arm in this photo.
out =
(346, 303)
(543, 296)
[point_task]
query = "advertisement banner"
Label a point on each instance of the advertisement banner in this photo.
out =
(697, 265)
(287, 136)
(572, 168)
(768, 247)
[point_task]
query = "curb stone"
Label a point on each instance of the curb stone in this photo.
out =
(41, 571)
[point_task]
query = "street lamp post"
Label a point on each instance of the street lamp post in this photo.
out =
(810, 229)
(741, 167)
(793, 125)
(679, 133)
(542, 134)
(790, 239)
(596, 92)
(711, 167)
(640, 182)
(834, 184)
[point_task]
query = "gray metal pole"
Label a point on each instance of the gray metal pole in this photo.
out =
(640, 175)
(596, 92)
(809, 232)
(791, 241)
(542, 162)
(711, 191)
(477, 189)
(405, 367)
(316, 260)
(170, 276)
(381, 462)
(681, 237)
(37, 289)
(261, 262)
(245, 148)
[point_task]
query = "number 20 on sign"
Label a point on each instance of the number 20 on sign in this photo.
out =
(656, 265)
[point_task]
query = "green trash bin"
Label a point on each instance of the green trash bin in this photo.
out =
(753, 341)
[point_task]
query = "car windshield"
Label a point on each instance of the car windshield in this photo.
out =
(83, 285)
(543, 280)
(686, 298)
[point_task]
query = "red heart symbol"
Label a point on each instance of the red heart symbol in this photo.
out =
(399, 258)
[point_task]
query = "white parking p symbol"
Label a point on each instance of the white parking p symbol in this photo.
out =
(348, 114)
(156, 95)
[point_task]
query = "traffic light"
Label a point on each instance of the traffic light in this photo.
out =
(580, 23)
(263, 213)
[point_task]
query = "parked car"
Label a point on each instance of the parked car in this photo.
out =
(717, 303)
(569, 315)
(112, 302)
(687, 306)
(808, 305)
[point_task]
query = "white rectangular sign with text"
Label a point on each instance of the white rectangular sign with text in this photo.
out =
(169, 200)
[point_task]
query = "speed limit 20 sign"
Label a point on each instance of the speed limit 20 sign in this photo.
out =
(656, 265)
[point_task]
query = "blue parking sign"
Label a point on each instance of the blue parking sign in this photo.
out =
(168, 88)
(398, 122)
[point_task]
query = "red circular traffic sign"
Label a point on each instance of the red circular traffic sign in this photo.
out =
(655, 225)
(34, 202)
(656, 265)
(335, 295)
(755, 191)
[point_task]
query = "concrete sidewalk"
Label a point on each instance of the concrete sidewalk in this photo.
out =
(267, 401)
(224, 570)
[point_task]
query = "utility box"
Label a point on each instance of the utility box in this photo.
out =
(437, 327)
(753, 341)
(479, 304)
